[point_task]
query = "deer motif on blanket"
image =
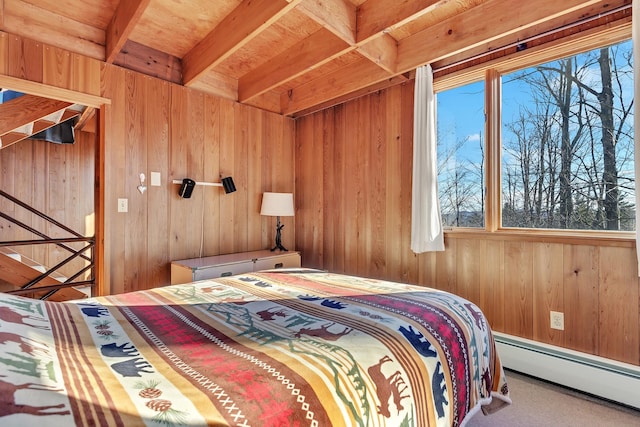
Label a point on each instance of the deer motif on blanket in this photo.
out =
(386, 387)
(8, 405)
(27, 345)
(10, 316)
(323, 332)
(271, 315)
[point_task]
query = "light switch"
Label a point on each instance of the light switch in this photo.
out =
(155, 179)
(123, 205)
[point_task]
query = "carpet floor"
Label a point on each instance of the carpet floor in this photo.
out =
(539, 403)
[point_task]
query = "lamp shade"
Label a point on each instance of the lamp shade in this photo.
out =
(277, 204)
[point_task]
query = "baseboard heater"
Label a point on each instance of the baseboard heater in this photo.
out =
(609, 379)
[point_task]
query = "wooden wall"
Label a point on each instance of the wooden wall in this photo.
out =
(56, 179)
(353, 193)
(152, 125)
(353, 189)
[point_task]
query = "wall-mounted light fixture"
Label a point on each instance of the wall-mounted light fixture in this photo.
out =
(277, 204)
(142, 187)
(187, 185)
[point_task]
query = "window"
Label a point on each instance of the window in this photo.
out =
(566, 146)
(567, 143)
(461, 155)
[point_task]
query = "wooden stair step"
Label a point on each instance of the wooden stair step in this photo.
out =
(16, 273)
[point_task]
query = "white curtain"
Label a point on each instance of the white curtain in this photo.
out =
(635, 20)
(426, 225)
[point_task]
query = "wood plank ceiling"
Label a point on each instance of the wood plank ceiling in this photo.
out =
(288, 56)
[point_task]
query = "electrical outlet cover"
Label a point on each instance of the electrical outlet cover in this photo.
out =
(557, 320)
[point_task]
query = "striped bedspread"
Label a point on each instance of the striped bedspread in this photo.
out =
(278, 348)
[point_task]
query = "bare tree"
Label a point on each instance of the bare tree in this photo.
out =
(579, 114)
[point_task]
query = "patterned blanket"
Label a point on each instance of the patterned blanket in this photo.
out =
(279, 348)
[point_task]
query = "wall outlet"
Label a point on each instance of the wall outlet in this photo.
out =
(123, 205)
(557, 320)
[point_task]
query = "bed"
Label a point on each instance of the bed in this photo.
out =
(274, 348)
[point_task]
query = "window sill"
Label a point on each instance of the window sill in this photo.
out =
(591, 238)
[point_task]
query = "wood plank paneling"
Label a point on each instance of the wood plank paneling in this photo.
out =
(410, 266)
(154, 126)
(329, 159)
(335, 200)
(255, 126)
(468, 259)
(241, 178)
(58, 70)
(351, 187)
(47, 179)
(179, 219)
(211, 173)
(491, 282)
(158, 93)
(227, 167)
(581, 283)
(547, 277)
(308, 165)
(114, 155)
(618, 305)
(24, 59)
(375, 175)
(391, 120)
(55, 195)
(4, 51)
(512, 285)
(193, 208)
(364, 185)
(23, 190)
(135, 245)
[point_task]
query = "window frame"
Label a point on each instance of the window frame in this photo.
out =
(491, 72)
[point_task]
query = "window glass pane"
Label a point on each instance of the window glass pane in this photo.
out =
(567, 143)
(461, 155)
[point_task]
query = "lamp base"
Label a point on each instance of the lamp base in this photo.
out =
(282, 248)
(278, 245)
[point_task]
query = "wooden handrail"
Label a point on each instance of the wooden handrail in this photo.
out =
(89, 244)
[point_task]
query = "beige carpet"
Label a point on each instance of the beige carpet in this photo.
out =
(538, 403)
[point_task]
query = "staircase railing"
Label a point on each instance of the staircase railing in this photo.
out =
(86, 252)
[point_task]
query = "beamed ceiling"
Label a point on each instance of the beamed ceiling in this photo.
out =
(289, 56)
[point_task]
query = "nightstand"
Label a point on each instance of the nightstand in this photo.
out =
(191, 270)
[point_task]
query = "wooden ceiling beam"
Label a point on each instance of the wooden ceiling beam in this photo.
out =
(122, 24)
(462, 32)
(382, 51)
(149, 61)
(355, 76)
(465, 31)
(393, 81)
(377, 16)
(247, 20)
(337, 16)
(312, 52)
